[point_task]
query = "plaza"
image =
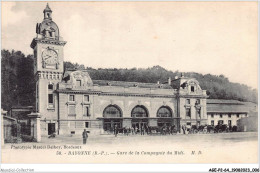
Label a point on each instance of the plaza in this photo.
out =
(239, 147)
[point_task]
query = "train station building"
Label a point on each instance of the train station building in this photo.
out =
(70, 101)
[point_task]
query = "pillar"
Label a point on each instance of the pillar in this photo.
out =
(2, 126)
(152, 122)
(36, 126)
(127, 123)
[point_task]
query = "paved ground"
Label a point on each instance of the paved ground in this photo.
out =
(215, 148)
(205, 139)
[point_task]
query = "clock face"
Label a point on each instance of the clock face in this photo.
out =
(50, 57)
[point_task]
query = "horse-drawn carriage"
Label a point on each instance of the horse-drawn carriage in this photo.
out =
(220, 128)
(163, 130)
(197, 129)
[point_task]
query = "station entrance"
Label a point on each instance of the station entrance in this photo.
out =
(112, 117)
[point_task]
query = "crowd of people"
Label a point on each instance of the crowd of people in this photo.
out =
(145, 129)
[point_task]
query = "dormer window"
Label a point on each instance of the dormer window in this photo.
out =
(78, 82)
(192, 88)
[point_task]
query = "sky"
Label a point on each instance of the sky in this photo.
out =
(204, 37)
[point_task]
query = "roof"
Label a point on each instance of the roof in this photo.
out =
(47, 8)
(22, 108)
(131, 84)
(229, 106)
(220, 101)
(119, 83)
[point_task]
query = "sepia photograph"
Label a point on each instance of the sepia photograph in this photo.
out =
(129, 82)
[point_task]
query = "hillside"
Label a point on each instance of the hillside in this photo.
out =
(218, 87)
(18, 87)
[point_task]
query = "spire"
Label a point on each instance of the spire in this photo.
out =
(47, 8)
(47, 12)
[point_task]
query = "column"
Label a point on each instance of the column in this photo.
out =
(152, 122)
(127, 123)
(36, 126)
(2, 126)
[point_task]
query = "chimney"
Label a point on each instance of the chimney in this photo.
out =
(182, 74)
(169, 80)
(158, 82)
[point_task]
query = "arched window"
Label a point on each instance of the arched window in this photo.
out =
(112, 111)
(164, 111)
(139, 111)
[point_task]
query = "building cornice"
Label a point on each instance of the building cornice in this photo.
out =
(226, 112)
(192, 96)
(114, 94)
(47, 41)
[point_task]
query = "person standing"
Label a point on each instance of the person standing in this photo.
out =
(85, 136)
(142, 130)
(116, 130)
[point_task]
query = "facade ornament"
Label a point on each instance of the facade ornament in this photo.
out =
(111, 102)
(164, 103)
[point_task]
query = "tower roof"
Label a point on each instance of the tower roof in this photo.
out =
(47, 8)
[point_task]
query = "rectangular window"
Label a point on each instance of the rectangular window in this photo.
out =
(229, 122)
(37, 91)
(188, 113)
(199, 113)
(229, 115)
(86, 98)
(188, 123)
(86, 111)
(221, 116)
(187, 101)
(212, 115)
(87, 124)
(72, 110)
(50, 98)
(237, 115)
(71, 98)
(192, 88)
(37, 107)
(78, 82)
(50, 87)
(198, 101)
(212, 122)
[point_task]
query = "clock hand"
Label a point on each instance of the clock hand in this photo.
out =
(48, 57)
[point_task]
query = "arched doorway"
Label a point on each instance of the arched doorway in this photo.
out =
(164, 115)
(139, 116)
(112, 117)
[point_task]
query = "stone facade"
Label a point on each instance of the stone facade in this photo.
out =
(70, 101)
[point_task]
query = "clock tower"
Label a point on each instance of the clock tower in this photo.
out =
(48, 68)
